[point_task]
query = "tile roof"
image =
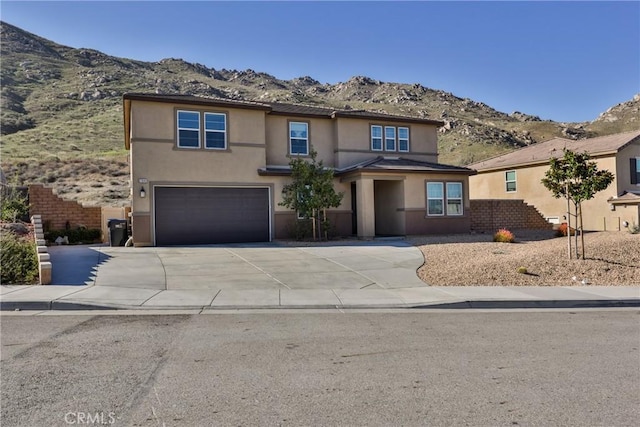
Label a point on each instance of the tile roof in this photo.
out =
(372, 115)
(299, 109)
(399, 164)
(381, 164)
(627, 197)
(198, 100)
(278, 107)
(543, 151)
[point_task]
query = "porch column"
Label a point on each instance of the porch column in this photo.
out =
(365, 208)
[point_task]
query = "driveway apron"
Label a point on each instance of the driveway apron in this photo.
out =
(357, 265)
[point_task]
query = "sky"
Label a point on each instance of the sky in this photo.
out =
(564, 61)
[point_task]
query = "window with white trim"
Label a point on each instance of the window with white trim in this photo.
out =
(510, 181)
(188, 129)
(215, 131)
(445, 198)
(299, 138)
(389, 138)
(403, 139)
(635, 170)
(435, 198)
(454, 198)
(192, 124)
(376, 138)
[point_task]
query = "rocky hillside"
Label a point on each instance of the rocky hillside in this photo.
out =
(62, 112)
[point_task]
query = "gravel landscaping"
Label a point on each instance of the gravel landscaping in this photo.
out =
(612, 259)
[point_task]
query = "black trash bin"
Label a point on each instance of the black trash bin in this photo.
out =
(117, 232)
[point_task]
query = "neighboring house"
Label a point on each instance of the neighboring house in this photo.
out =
(209, 170)
(518, 175)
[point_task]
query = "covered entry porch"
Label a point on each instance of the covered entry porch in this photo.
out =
(377, 203)
(388, 198)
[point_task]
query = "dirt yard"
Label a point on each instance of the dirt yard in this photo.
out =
(612, 259)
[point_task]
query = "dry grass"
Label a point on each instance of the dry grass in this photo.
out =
(612, 259)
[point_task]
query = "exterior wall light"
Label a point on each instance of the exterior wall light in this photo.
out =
(143, 193)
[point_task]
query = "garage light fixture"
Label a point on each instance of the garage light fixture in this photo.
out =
(143, 193)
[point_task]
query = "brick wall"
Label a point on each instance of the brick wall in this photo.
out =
(55, 211)
(491, 215)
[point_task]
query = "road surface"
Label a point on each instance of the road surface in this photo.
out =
(498, 368)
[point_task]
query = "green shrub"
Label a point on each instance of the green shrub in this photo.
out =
(634, 228)
(76, 236)
(300, 229)
(14, 204)
(18, 260)
(504, 236)
(522, 270)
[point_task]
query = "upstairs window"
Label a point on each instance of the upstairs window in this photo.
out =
(510, 181)
(188, 129)
(299, 138)
(376, 138)
(215, 131)
(389, 138)
(193, 124)
(403, 139)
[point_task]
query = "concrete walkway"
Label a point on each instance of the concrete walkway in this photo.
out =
(378, 274)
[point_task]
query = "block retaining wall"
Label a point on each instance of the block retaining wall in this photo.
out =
(55, 212)
(489, 215)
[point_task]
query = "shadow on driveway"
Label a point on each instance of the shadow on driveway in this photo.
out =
(75, 265)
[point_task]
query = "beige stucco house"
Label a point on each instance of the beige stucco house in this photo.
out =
(518, 175)
(209, 170)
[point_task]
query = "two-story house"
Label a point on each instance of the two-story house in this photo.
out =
(209, 170)
(518, 175)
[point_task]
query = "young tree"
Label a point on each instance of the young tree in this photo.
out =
(311, 193)
(576, 179)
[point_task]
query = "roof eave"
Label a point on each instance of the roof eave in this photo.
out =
(298, 114)
(390, 118)
(539, 162)
(194, 101)
(465, 171)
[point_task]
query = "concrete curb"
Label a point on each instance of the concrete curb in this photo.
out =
(468, 304)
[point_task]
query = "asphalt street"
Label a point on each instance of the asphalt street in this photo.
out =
(498, 368)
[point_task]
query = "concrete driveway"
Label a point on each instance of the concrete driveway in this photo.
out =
(352, 265)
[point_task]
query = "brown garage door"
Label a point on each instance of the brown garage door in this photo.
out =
(200, 216)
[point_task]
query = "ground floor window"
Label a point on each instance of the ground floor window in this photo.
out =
(435, 198)
(444, 198)
(454, 198)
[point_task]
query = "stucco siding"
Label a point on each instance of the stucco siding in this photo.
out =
(623, 167)
(354, 141)
(597, 213)
(387, 202)
(154, 121)
(277, 135)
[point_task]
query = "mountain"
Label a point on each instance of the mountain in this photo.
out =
(61, 112)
